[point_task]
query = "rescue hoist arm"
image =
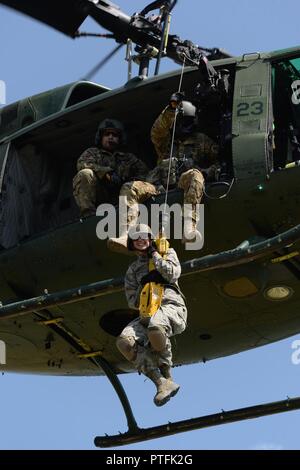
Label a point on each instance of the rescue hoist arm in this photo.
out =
(144, 32)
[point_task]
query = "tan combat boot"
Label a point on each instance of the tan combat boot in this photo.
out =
(165, 388)
(127, 218)
(167, 374)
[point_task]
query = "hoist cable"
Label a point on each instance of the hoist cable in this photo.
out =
(172, 147)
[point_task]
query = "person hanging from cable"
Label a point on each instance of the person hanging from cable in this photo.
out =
(151, 286)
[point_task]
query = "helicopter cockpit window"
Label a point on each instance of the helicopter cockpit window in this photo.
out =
(286, 103)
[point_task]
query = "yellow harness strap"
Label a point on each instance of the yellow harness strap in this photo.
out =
(152, 293)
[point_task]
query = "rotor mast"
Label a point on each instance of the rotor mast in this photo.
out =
(150, 34)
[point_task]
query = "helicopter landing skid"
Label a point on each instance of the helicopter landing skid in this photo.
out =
(137, 434)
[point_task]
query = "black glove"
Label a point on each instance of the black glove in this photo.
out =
(211, 174)
(153, 276)
(177, 97)
(152, 248)
(185, 165)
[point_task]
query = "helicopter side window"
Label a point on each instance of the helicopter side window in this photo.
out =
(17, 203)
(286, 103)
(34, 190)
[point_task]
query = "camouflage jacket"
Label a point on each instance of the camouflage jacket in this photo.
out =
(126, 165)
(169, 268)
(197, 151)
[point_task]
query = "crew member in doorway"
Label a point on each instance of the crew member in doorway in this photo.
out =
(103, 169)
(194, 157)
(193, 161)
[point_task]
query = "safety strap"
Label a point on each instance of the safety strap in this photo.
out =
(152, 293)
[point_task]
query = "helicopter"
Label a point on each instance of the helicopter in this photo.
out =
(259, 251)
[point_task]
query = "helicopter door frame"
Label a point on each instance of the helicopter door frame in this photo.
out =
(286, 79)
(252, 120)
(4, 152)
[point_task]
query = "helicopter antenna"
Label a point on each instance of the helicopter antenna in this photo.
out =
(166, 19)
(101, 64)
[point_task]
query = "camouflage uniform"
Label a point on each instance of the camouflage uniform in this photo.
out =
(93, 165)
(170, 317)
(196, 158)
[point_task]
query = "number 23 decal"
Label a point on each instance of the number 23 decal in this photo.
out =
(247, 109)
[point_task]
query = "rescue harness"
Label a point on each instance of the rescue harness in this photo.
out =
(152, 293)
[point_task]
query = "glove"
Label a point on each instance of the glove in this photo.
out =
(186, 164)
(114, 178)
(152, 248)
(153, 276)
(164, 169)
(211, 174)
(176, 99)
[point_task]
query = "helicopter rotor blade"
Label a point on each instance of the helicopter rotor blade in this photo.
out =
(170, 4)
(67, 15)
(101, 64)
(63, 15)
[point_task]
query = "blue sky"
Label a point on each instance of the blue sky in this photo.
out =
(67, 413)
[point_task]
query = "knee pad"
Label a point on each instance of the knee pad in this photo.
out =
(127, 347)
(157, 338)
(84, 178)
(138, 191)
(86, 173)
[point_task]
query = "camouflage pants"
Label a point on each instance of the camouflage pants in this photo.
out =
(89, 191)
(192, 183)
(171, 318)
(85, 186)
(85, 189)
(137, 191)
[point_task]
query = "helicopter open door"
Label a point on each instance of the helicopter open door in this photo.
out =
(252, 120)
(286, 99)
